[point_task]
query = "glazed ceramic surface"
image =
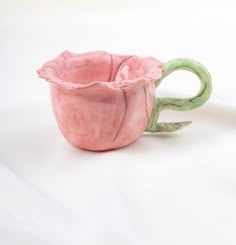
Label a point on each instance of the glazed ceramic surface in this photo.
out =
(104, 101)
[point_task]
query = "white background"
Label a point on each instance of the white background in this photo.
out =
(166, 189)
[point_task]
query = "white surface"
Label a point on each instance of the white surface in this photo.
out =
(167, 189)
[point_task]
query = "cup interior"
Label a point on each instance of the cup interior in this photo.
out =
(104, 68)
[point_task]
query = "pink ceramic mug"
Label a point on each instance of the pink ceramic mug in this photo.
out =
(105, 101)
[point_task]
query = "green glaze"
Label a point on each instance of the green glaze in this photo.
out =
(180, 104)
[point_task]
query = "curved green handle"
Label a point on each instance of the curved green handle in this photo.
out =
(180, 104)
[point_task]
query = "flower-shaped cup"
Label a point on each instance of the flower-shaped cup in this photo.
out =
(104, 101)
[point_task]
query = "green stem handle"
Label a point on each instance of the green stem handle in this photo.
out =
(180, 104)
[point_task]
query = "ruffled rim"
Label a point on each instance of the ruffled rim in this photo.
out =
(48, 73)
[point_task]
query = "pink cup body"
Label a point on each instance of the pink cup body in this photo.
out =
(109, 110)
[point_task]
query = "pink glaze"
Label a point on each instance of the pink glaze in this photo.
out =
(102, 101)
